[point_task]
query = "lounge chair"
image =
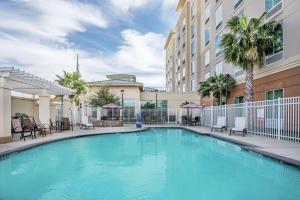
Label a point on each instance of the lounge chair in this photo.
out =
(18, 128)
(221, 124)
(66, 124)
(42, 127)
(85, 123)
(239, 126)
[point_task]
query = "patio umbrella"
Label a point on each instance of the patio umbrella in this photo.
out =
(191, 105)
(112, 106)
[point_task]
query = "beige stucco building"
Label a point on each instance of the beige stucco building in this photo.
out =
(135, 95)
(207, 18)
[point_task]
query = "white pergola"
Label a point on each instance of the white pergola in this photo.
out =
(12, 79)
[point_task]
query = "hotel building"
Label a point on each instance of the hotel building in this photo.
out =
(205, 23)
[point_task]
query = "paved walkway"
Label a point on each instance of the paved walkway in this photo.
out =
(285, 151)
(18, 144)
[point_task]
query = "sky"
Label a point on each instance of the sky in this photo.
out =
(43, 37)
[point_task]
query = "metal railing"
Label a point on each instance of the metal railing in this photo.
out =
(278, 118)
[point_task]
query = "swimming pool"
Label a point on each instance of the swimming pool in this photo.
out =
(157, 164)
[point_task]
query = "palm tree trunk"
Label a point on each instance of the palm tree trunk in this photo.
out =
(249, 84)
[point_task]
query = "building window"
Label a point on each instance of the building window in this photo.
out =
(237, 3)
(269, 4)
(207, 58)
(183, 24)
(241, 14)
(183, 73)
(276, 53)
(183, 87)
(278, 45)
(207, 35)
(178, 62)
(238, 71)
(219, 68)
(183, 58)
(162, 104)
(193, 10)
(239, 99)
(193, 66)
(274, 94)
(218, 44)
(178, 76)
(206, 76)
(207, 12)
(193, 85)
(193, 48)
(219, 16)
(193, 30)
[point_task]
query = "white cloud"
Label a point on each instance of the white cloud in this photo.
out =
(166, 8)
(35, 39)
(53, 19)
(140, 54)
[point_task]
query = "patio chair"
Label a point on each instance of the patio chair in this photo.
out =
(28, 126)
(85, 123)
(184, 120)
(66, 124)
(239, 126)
(147, 119)
(53, 126)
(43, 127)
(221, 124)
(18, 128)
(196, 121)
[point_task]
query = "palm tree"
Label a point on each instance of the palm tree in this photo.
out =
(102, 97)
(247, 44)
(218, 86)
(73, 81)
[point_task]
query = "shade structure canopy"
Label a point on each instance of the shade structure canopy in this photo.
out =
(191, 105)
(112, 106)
(21, 81)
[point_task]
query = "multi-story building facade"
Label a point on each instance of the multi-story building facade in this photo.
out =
(170, 61)
(280, 77)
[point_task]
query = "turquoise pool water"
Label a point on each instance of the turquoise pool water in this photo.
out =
(158, 164)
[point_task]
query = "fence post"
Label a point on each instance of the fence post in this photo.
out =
(247, 113)
(168, 115)
(278, 118)
(211, 116)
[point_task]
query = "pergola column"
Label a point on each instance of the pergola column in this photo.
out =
(5, 112)
(44, 108)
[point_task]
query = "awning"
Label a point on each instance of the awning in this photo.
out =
(23, 82)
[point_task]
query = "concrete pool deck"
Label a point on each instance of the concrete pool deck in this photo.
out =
(285, 151)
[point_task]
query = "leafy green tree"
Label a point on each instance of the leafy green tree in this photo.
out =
(73, 81)
(247, 44)
(102, 97)
(148, 105)
(217, 86)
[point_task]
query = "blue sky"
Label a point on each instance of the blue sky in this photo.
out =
(111, 36)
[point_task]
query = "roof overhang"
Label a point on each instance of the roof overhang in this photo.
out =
(180, 5)
(21, 81)
(169, 38)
